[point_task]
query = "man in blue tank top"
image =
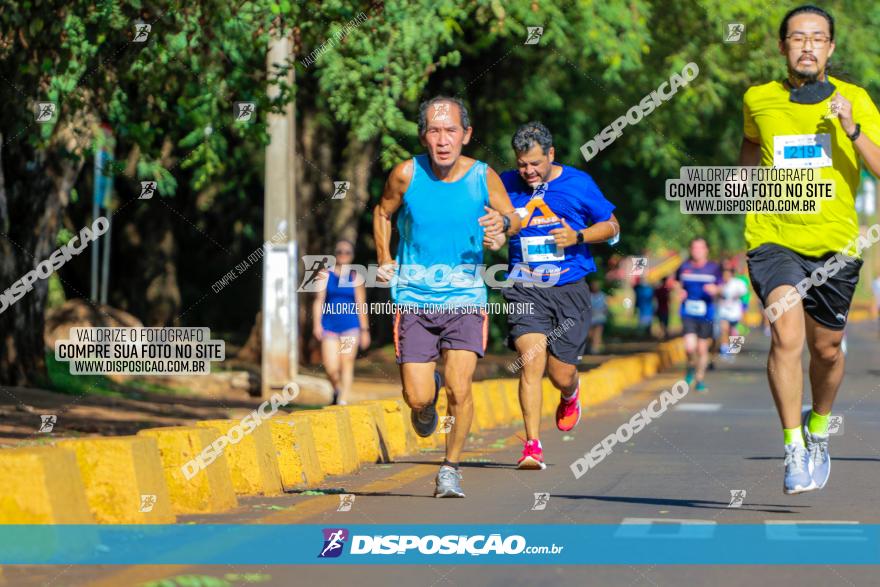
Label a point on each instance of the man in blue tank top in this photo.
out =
(450, 207)
(561, 212)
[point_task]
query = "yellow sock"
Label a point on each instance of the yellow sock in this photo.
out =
(818, 423)
(793, 435)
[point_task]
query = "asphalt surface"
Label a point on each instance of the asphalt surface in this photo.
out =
(683, 465)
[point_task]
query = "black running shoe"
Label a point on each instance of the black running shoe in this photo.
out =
(424, 421)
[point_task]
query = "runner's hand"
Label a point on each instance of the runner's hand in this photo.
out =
(565, 236)
(843, 108)
(494, 243)
(386, 271)
(492, 222)
(365, 340)
(318, 332)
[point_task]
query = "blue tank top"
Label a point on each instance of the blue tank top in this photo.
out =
(340, 313)
(439, 226)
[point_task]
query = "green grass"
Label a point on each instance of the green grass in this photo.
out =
(63, 381)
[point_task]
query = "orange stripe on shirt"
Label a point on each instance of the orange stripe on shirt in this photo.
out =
(397, 335)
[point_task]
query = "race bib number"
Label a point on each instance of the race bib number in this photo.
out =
(695, 307)
(540, 249)
(802, 150)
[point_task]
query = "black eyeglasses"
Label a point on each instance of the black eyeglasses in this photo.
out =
(343, 252)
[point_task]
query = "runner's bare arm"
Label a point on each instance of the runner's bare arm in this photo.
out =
(749, 153)
(501, 206)
(317, 312)
(601, 231)
(866, 148)
(392, 198)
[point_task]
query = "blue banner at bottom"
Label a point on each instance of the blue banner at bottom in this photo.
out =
(618, 544)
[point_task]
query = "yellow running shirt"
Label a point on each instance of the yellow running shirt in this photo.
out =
(773, 121)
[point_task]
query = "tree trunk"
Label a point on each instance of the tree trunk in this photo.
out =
(34, 187)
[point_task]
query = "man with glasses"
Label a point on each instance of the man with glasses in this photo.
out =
(809, 120)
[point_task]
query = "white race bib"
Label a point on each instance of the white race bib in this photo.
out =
(695, 307)
(539, 249)
(802, 150)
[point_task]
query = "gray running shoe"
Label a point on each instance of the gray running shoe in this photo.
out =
(448, 483)
(424, 421)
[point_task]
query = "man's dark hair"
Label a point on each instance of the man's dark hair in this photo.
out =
(531, 134)
(698, 238)
(805, 9)
(423, 112)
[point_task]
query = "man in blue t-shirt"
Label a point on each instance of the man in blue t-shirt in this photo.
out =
(700, 280)
(562, 212)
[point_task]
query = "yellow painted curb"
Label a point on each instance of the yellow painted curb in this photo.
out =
(400, 442)
(334, 441)
(208, 490)
(483, 413)
(549, 398)
(41, 485)
(295, 450)
(504, 413)
(123, 479)
(365, 433)
(251, 461)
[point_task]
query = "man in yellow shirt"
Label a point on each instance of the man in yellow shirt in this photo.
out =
(803, 266)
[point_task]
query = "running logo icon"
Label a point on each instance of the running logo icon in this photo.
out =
(534, 35)
(735, 32)
(147, 503)
(346, 344)
(737, 496)
(47, 423)
(141, 33)
(244, 111)
(441, 111)
(45, 112)
(835, 425)
(148, 188)
(735, 344)
(639, 264)
(314, 276)
(446, 423)
(541, 501)
(346, 501)
(334, 540)
(340, 188)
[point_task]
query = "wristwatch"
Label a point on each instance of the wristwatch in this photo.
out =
(856, 133)
(580, 237)
(506, 223)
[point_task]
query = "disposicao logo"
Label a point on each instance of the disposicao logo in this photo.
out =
(334, 540)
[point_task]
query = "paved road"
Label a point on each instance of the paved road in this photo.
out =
(682, 466)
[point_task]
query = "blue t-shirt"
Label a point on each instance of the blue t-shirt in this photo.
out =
(644, 299)
(572, 196)
(698, 303)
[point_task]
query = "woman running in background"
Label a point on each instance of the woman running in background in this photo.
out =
(340, 324)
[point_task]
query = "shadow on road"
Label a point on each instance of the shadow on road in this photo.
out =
(689, 503)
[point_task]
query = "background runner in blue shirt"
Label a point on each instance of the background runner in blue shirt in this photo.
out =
(700, 280)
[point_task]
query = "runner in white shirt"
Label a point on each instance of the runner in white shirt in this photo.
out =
(730, 308)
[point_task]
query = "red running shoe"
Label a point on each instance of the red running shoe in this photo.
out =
(568, 413)
(532, 456)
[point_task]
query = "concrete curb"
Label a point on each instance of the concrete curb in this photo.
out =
(123, 479)
(252, 462)
(209, 490)
(81, 481)
(41, 485)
